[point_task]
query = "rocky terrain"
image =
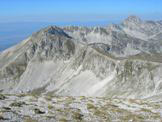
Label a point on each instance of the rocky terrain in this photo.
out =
(31, 108)
(114, 67)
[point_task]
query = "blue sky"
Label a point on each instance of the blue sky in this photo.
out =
(77, 10)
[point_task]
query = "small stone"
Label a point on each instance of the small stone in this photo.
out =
(37, 111)
(2, 97)
(2, 118)
(17, 104)
(7, 108)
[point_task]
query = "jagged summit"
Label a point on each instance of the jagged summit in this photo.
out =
(133, 19)
(132, 22)
(52, 30)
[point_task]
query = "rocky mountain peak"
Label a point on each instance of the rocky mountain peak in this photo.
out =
(133, 19)
(53, 30)
(132, 22)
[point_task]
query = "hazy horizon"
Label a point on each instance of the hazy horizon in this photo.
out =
(13, 32)
(19, 19)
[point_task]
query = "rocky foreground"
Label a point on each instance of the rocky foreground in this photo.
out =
(31, 108)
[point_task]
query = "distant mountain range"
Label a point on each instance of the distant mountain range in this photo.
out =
(12, 33)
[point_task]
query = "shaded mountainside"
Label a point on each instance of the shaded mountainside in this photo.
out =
(115, 61)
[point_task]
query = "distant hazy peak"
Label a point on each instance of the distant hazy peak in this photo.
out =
(133, 19)
(160, 22)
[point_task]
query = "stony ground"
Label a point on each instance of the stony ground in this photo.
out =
(46, 108)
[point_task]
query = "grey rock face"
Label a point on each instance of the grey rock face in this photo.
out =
(115, 61)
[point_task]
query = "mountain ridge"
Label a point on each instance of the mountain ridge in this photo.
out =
(81, 61)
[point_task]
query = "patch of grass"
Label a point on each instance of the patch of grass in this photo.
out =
(29, 119)
(69, 100)
(60, 110)
(21, 95)
(77, 116)
(118, 110)
(50, 106)
(100, 113)
(156, 116)
(49, 98)
(146, 110)
(50, 117)
(156, 106)
(82, 97)
(132, 117)
(91, 106)
(128, 68)
(33, 99)
(63, 120)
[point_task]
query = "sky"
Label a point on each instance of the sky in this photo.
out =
(77, 10)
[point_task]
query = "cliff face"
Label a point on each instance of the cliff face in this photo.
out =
(114, 61)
